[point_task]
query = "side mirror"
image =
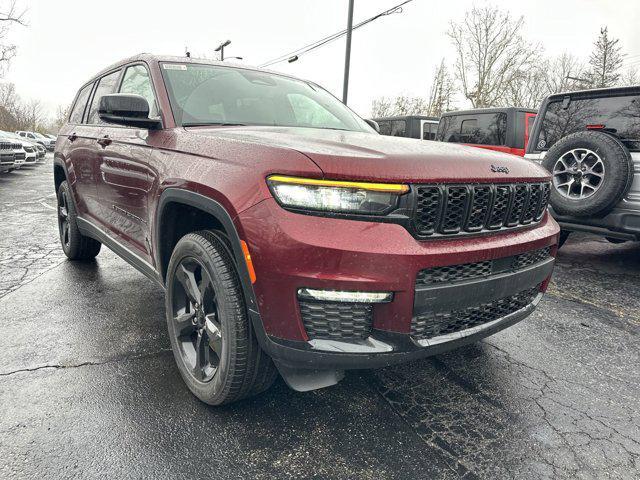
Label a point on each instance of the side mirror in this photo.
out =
(373, 124)
(128, 110)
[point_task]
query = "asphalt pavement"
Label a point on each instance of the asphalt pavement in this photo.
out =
(88, 386)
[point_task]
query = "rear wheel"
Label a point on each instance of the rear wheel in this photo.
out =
(211, 335)
(75, 245)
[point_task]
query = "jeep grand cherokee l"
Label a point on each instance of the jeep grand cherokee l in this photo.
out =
(590, 142)
(288, 235)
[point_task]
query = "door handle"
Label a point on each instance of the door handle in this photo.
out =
(104, 141)
(73, 137)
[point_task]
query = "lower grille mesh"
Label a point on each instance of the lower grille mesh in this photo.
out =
(336, 321)
(435, 324)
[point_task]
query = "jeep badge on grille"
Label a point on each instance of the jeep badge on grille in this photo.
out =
(499, 169)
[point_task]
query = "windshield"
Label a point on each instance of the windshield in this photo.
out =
(216, 95)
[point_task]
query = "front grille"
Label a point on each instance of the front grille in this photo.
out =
(6, 158)
(20, 156)
(525, 259)
(457, 209)
(442, 323)
(336, 321)
(5, 146)
(468, 271)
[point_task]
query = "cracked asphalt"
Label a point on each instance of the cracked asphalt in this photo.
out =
(88, 387)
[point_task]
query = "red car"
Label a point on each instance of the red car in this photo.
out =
(501, 129)
(288, 235)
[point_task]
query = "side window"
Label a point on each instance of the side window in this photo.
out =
(385, 127)
(81, 102)
(136, 81)
(429, 130)
(106, 85)
(398, 128)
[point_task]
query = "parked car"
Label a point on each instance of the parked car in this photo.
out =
(7, 157)
(286, 232)
(502, 129)
(25, 151)
(47, 143)
(590, 142)
(19, 153)
(40, 151)
(411, 126)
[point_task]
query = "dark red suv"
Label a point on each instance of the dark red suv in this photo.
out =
(288, 235)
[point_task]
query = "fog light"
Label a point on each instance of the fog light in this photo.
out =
(346, 297)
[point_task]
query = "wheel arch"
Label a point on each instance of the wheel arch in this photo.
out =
(169, 229)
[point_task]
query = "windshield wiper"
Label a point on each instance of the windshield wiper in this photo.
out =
(215, 124)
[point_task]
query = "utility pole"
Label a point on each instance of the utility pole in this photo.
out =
(347, 56)
(221, 49)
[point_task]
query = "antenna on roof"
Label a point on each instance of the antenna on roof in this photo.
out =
(187, 52)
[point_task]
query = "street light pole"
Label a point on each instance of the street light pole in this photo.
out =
(221, 49)
(347, 56)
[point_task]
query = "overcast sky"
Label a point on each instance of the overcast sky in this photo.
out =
(67, 41)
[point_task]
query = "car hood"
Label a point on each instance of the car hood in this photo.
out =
(366, 156)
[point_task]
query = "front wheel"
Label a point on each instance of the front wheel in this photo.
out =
(211, 335)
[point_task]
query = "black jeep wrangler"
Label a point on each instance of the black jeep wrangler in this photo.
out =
(590, 142)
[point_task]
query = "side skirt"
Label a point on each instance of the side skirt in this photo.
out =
(90, 230)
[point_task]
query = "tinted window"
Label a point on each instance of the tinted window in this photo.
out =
(136, 81)
(398, 128)
(385, 127)
(210, 95)
(620, 115)
(106, 85)
(81, 102)
(429, 131)
(480, 129)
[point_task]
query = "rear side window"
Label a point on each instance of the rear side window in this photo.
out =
(385, 128)
(480, 129)
(429, 130)
(106, 85)
(81, 102)
(619, 115)
(398, 128)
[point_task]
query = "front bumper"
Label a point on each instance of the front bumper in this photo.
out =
(292, 251)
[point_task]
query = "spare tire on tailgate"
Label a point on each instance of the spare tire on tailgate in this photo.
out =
(591, 173)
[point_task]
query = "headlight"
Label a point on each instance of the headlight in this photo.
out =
(336, 196)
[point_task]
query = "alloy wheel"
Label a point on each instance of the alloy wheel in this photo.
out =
(578, 173)
(196, 325)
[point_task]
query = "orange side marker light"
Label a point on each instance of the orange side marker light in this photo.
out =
(247, 259)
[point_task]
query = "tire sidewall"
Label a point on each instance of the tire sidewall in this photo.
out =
(617, 174)
(211, 391)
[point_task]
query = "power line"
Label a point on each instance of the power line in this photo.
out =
(331, 38)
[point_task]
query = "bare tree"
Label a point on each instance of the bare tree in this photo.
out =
(442, 91)
(400, 105)
(630, 78)
(491, 53)
(605, 61)
(9, 15)
(565, 73)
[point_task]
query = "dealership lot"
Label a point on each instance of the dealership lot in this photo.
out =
(88, 386)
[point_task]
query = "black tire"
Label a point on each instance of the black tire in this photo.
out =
(564, 235)
(232, 365)
(616, 179)
(74, 245)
